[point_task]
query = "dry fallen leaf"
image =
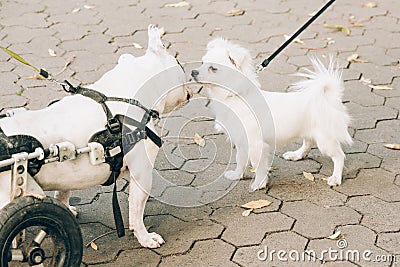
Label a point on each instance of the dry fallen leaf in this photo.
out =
(381, 87)
(312, 14)
(178, 4)
(246, 212)
(329, 40)
(235, 12)
(36, 77)
(309, 176)
(52, 53)
(137, 46)
(356, 58)
(393, 146)
(199, 140)
(94, 246)
(354, 23)
(370, 5)
(336, 236)
(257, 204)
(341, 28)
(161, 31)
(296, 40)
(365, 81)
(88, 7)
(76, 10)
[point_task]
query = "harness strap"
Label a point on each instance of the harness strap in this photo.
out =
(139, 125)
(119, 223)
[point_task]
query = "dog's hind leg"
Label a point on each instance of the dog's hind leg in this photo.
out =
(299, 153)
(332, 149)
(64, 196)
(261, 160)
(241, 163)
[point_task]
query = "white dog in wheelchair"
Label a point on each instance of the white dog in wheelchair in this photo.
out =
(76, 118)
(313, 111)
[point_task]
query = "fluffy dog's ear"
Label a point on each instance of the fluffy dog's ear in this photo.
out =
(216, 42)
(239, 57)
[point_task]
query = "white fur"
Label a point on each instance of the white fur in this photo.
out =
(313, 111)
(76, 118)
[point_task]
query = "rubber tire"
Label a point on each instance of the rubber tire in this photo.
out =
(29, 211)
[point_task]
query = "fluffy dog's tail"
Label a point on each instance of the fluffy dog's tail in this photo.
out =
(326, 88)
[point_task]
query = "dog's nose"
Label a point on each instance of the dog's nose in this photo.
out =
(195, 73)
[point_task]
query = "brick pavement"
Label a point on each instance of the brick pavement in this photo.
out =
(92, 35)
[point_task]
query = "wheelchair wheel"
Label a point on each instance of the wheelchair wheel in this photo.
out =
(35, 232)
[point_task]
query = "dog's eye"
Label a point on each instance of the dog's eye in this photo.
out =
(212, 69)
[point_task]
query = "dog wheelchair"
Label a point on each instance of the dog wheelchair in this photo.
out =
(35, 229)
(38, 230)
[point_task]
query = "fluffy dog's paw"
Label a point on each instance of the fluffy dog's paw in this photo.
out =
(257, 185)
(151, 240)
(73, 210)
(291, 155)
(232, 175)
(333, 181)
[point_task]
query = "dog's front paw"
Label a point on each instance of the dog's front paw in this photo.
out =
(150, 240)
(257, 185)
(334, 181)
(232, 175)
(291, 155)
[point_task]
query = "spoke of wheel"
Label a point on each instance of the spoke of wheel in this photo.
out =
(40, 237)
(17, 255)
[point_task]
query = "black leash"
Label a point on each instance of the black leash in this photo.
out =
(294, 36)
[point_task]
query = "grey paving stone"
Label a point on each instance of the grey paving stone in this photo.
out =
(108, 246)
(378, 215)
(157, 207)
(244, 231)
(289, 242)
(385, 132)
(318, 193)
(324, 220)
(389, 242)
(367, 117)
(180, 237)
(204, 253)
(135, 257)
(358, 239)
(376, 182)
(361, 94)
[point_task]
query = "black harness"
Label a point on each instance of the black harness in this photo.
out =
(117, 138)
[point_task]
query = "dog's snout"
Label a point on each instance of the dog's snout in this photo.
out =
(195, 73)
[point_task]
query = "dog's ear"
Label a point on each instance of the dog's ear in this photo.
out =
(216, 42)
(238, 57)
(155, 44)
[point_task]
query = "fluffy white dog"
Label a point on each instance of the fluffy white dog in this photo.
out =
(313, 111)
(76, 118)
